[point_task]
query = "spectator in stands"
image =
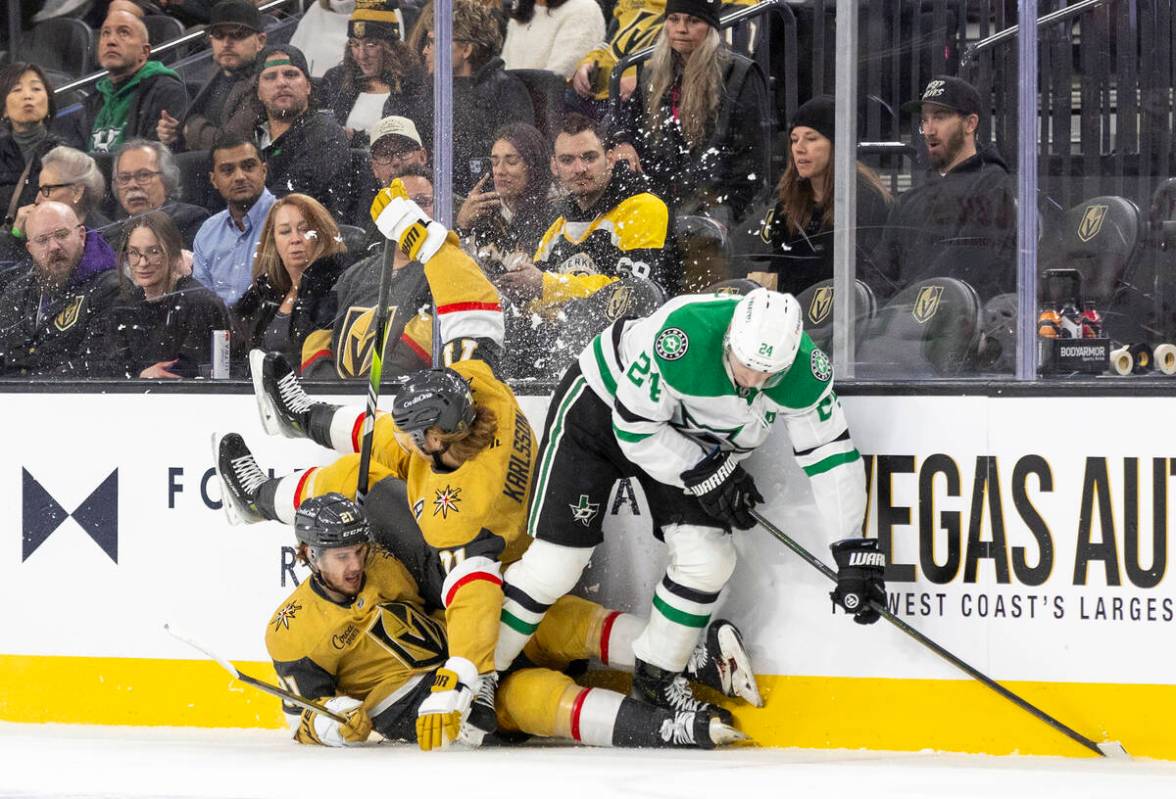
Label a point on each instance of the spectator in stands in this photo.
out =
(799, 229)
(961, 221)
(24, 135)
(551, 34)
(298, 261)
(222, 257)
(52, 318)
(228, 101)
(696, 119)
(304, 151)
(379, 77)
(322, 34)
(129, 102)
(147, 178)
(162, 323)
(485, 95)
(396, 146)
(609, 226)
(509, 216)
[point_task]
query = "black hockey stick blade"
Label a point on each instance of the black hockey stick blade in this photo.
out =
(1104, 749)
(282, 693)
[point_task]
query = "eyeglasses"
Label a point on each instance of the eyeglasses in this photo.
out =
(395, 159)
(423, 200)
(236, 34)
(49, 188)
(369, 46)
(61, 235)
(142, 176)
(152, 255)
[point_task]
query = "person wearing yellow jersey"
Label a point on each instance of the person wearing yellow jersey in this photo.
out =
(360, 637)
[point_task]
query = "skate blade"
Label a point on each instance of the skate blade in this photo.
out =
(743, 683)
(265, 408)
(723, 734)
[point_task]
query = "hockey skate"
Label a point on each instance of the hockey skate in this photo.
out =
(240, 478)
(665, 689)
(283, 404)
(701, 728)
(482, 719)
(721, 662)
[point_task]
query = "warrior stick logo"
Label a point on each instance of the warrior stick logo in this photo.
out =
(585, 511)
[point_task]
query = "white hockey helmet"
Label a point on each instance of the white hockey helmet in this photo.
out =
(765, 330)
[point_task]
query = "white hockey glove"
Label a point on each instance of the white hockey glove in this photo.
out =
(441, 715)
(402, 221)
(355, 731)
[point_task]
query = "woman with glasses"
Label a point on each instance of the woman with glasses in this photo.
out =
(379, 77)
(299, 257)
(508, 210)
(162, 323)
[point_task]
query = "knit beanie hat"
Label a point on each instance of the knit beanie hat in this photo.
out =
(707, 10)
(818, 114)
(375, 19)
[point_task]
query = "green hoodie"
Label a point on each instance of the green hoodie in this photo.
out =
(111, 121)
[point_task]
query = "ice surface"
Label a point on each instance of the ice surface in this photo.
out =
(134, 762)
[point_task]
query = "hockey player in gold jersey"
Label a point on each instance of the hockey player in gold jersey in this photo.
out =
(358, 637)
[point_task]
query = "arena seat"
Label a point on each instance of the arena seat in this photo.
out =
(816, 303)
(354, 237)
(737, 286)
(546, 90)
(63, 43)
(195, 187)
(930, 329)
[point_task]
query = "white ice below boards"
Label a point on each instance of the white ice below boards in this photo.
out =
(82, 762)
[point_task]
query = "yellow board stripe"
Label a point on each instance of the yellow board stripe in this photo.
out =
(807, 712)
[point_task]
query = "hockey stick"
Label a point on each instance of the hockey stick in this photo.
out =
(377, 370)
(292, 698)
(1105, 749)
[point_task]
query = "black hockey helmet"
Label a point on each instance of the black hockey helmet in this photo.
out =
(329, 522)
(433, 398)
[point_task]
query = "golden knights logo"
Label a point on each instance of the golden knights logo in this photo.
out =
(446, 501)
(927, 303)
(357, 339)
(69, 314)
(410, 636)
(821, 305)
(283, 617)
(618, 303)
(1092, 222)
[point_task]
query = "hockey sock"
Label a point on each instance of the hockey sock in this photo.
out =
(279, 498)
(617, 634)
(678, 616)
(338, 427)
(318, 427)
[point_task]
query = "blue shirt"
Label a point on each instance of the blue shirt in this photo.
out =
(222, 255)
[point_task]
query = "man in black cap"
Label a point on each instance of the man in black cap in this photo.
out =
(961, 221)
(227, 102)
(304, 151)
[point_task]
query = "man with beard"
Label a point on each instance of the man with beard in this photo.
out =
(304, 151)
(51, 318)
(961, 221)
(222, 257)
(227, 102)
(147, 178)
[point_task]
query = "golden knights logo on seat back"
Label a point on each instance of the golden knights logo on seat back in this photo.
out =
(358, 340)
(821, 305)
(927, 303)
(1092, 222)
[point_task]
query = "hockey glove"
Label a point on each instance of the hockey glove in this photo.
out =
(355, 731)
(725, 490)
(402, 220)
(441, 715)
(860, 570)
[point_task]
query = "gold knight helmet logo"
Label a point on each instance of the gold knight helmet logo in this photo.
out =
(618, 303)
(927, 303)
(69, 314)
(821, 305)
(1092, 222)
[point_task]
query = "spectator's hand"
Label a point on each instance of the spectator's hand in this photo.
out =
(185, 263)
(22, 215)
(581, 82)
(523, 282)
(167, 129)
(477, 204)
(160, 370)
(627, 153)
(628, 84)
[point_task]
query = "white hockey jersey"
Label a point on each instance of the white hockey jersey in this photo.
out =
(674, 401)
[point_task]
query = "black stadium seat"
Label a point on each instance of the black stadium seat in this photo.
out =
(354, 237)
(547, 91)
(816, 303)
(195, 187)
(160, 29)
(65, 44)
(930, 329)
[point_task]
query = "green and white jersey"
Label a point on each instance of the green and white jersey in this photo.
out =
(674, 401)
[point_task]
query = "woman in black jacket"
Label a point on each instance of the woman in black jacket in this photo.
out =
(161, 326)
(24, 135)
(299, 258)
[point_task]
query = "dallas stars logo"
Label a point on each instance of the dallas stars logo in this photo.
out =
(445, 501)
(584, 512)
(671, 344)
(283, 617)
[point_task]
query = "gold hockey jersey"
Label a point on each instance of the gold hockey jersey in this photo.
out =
(378, 648)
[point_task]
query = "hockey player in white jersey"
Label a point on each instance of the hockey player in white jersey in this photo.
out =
(676, 400)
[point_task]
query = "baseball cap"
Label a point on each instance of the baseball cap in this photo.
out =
(395, 126)
(285, 53)
(954, 93)
(235, 12)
